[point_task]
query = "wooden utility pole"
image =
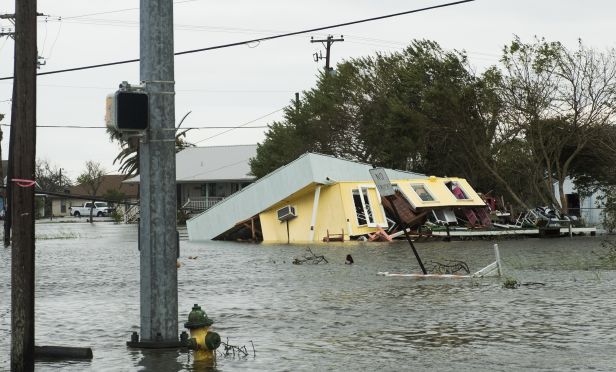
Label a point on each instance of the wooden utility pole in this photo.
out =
(327, 43)
(23, 139)
(7, 190)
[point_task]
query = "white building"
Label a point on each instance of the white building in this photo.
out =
(589, 208)
(207, 175)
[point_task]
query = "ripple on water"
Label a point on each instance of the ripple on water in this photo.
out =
(329, 317)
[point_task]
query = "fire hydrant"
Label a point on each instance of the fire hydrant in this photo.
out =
(203, 341)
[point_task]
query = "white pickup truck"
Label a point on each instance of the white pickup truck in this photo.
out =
(100, 209)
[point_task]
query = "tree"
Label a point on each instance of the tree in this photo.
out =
(128, 157)
(50, 178)
(422, 109)
(561, 100)
(91, 179)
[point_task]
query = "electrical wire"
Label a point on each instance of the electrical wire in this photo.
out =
(273, 37)
(174, 129)
(120, 10)
(217, 91)
(217, 169)
(239, 126)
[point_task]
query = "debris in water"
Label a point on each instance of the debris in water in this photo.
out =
(310, 259)
(236, 351)
(450, 267)
(349, 260)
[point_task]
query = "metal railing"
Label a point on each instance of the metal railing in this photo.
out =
(201, 203)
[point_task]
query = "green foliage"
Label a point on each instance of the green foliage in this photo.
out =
(117, 216)
(182, 217)
(128, 157)
(518, 129)
(405, 110)
(511, 283)
(114, 196)
(609, 209)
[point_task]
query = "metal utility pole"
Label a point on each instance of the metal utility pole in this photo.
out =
(327, 43)
(157, 235)
(23, 138)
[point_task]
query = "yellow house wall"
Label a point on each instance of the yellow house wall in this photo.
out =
(330, 215)
(336, 209)
(335, 212)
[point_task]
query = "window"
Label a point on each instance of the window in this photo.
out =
(363, 209)
(62, 206)
(457, 190)
(422, 191)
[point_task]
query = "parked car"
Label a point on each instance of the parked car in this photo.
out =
(99, 209)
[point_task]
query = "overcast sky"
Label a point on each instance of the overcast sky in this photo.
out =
(233, 86)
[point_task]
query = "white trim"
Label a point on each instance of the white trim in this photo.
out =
(366, 187)
(315, 206)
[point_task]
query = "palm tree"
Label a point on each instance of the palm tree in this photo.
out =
(128, 158)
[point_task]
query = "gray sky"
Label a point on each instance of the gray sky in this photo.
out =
(233, 86)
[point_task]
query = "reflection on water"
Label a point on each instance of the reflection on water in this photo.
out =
(328, 317)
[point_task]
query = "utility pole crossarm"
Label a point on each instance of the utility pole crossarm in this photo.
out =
(327, 43)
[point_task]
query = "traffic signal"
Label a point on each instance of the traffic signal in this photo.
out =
(128, 110)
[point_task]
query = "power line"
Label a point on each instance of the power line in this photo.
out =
(240, 126)
(119, 10)
(219, 168)
(176, 129)
(257, 40)
(217, 91)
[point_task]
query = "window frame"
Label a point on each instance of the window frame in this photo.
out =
(364, 190)
(427, 189)
(459, 185)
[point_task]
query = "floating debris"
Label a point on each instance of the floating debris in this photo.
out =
(310, 259)
(451, 267)
(236, 351)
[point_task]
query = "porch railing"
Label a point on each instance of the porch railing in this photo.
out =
(201, 203)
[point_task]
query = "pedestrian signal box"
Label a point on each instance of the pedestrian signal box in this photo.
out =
(128, 111)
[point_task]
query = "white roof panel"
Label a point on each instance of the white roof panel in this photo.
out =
(213, 163)
(276, 186)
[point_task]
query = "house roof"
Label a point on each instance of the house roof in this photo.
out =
(213, 163)
(308, 169)
(109, 182)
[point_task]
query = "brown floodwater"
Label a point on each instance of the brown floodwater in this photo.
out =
(329, 316)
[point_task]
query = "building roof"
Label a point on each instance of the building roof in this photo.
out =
(109, 182)
(308, 169)
(213, 163)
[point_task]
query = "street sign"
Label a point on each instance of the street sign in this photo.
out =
(382, 181)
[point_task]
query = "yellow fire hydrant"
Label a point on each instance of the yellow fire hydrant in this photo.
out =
(203, 341)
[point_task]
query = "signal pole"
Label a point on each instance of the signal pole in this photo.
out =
(327, 43)
(23, 138)
(158, 209)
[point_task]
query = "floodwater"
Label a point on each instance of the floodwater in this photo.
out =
(332, 316)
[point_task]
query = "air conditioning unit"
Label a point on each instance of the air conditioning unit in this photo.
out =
(286, 213)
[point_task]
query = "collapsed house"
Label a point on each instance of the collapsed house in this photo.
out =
(318, 197)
